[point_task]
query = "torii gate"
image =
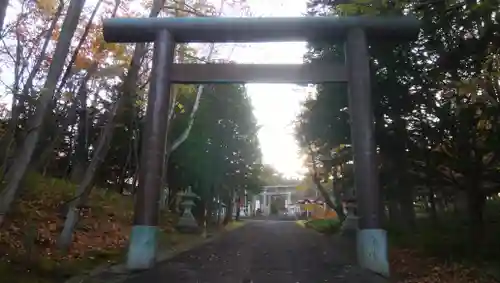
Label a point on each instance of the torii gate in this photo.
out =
(269, 191)
(166, 32)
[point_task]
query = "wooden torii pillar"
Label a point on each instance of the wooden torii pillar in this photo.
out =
(166, 32)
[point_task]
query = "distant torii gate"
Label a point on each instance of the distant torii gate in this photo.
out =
(166, 32)
(270, 191)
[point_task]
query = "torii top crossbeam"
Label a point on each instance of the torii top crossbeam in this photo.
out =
(231, 29)
(166, 32)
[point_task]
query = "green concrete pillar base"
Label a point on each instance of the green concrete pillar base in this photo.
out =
(142, 247)
(372, 250)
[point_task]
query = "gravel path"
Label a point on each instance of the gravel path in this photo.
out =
(264, 252)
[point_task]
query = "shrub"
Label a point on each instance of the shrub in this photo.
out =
(326, 226)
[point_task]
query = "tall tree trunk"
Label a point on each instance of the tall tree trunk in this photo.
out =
(394, 211)
(475, 206)
(22, 160)
(83, 39)
(81, 147)
(337, 199)
(43, 159)
(238, 208)
(218, 210)
(404, 189)
(172, 146)
(121, 182)
(85, 186)
(173, 203)
(19, 99)
(4, 4)
(205, 220)
(461, 203)
(382, 208)
(129, 84)
(8, 139)
(405, 197)
(432, 205)
(210, 206)
(229, 209)
(76, 102)
(324, 193)
(184, 135)
(407, 208)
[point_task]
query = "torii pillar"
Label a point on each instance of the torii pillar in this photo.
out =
(165, 32)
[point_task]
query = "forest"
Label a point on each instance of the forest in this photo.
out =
(436, 110)
(73, 113)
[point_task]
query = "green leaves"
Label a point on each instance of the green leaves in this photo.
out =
(222, 148)
(435, 100)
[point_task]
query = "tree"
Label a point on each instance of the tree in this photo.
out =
(271, 177)
(433, 100)
(4, 4)
(92, 98)
(220, 158)
(15, 174)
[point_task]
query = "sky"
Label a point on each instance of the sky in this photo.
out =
(276, 106)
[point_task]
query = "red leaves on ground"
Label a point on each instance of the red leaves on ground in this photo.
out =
(28, 251)
(93, 234)
(34, 226)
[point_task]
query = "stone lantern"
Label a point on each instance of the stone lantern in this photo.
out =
(187, 223)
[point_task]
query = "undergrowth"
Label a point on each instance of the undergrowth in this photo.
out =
(445, 251)
(326, 226)
(28, 237)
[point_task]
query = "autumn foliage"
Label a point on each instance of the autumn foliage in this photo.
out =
(28, 238)
(77, 110)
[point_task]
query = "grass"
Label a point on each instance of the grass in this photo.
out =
(234, 225)
(301, 223)
(325, 226)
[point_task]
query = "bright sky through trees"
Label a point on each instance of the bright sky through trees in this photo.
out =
(276, 105)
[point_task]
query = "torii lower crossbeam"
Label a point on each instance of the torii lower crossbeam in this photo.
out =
(355, 31)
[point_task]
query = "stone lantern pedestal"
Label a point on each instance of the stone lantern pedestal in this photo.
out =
(187, 223)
